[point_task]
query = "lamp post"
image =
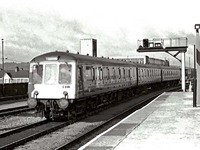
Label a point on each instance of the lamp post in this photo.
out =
(3, 66)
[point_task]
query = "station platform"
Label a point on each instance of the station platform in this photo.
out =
(13, 105)
(169, 122)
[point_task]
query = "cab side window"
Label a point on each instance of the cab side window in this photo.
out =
(65, 73)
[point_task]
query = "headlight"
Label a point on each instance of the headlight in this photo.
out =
(65, 93)
(63, 103)
(32, 102)
(36, 93)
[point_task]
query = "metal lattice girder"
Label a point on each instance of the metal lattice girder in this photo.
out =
(174, 55)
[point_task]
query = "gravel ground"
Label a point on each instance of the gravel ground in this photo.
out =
(54, 140)
(11, 122)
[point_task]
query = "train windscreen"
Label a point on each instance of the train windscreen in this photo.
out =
(65, 73)
(50, 76)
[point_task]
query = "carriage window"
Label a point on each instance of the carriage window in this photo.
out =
(105, 73)
(130, 72)
(65, 71)
(94, 73)
(114, 73)
(37, 74)
(134, 71)
(100, 73)
(117, 73)
(124, 73)
(89, 73)
(120, 75)
(108, 71)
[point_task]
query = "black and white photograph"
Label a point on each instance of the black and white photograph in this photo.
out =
(99, 75)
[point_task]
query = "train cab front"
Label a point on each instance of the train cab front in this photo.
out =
(51, 87)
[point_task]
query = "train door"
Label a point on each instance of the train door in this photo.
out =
(99, 77)
(80, 87)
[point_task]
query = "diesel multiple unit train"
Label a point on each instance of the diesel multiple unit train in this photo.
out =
(67, 84)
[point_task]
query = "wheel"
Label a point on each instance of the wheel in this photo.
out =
(47, 114)
(71, 115)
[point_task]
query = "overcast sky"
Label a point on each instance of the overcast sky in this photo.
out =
(32, 27)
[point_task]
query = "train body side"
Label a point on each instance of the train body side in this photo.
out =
(171, 74)
(100, 76)
(149, 74)
(94, 75)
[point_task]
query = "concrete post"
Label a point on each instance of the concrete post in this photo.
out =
(183, 71)
(197, 27)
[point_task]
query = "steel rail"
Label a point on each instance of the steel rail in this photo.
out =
(29, 133)
(11, 111)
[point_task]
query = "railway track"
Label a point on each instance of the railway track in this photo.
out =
(21, 135)
(27, 133)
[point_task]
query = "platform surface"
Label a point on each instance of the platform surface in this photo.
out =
(168, 122)
(13, 105)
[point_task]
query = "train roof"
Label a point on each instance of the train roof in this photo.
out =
(63, 56)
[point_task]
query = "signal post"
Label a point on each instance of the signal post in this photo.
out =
(179, 45)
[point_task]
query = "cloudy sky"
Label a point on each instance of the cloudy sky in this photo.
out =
(32, 27)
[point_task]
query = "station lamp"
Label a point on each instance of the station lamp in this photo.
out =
(197, 27)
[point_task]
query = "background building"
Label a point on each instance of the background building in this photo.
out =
(14, 76)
